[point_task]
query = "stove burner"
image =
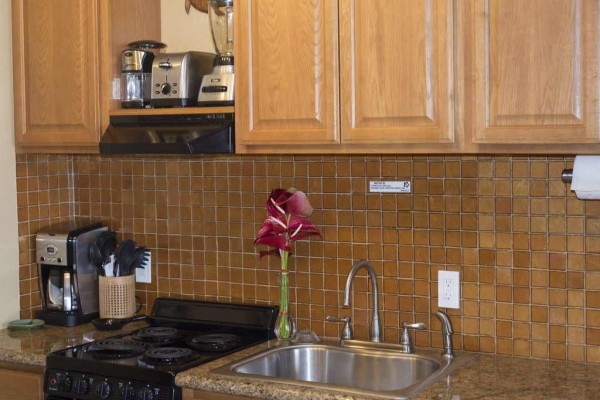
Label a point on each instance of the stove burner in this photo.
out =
(159, 335)
(215, 342)
(116, 348)
(168, 355)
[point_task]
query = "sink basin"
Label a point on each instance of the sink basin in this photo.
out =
(357, 367)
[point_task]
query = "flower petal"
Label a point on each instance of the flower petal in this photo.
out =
(273, 252)
(277, 202)
(298, 204)
(276, 241)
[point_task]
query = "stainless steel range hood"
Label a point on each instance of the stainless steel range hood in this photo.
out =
(169, 134)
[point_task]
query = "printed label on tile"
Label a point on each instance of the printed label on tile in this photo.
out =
(389, 187)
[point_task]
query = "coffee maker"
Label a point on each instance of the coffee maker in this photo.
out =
(136, 73)
(68, 279)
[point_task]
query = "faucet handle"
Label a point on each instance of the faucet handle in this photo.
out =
(418, 326)
(347, 330)
(406, 340)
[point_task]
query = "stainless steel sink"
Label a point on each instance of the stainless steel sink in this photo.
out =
(354, 367)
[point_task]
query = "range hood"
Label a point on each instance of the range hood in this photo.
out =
(169, 134)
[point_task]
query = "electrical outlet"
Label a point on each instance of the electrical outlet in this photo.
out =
(144, 275)
(449, 289)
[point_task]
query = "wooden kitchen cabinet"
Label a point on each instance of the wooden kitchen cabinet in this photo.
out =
(20, 382)
(344, 76)
(65, 56)
(532, 71)
(388, 76)
(286, 74)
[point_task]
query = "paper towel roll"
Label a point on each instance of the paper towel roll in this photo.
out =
(586, 177)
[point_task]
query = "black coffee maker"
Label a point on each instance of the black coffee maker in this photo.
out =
(68, 279)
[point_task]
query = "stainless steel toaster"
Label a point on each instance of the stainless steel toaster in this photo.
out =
(176, 78)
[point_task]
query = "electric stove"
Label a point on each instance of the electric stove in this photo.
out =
(142, 365)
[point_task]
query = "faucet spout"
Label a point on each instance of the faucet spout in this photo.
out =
(375, 330)
(447, 332)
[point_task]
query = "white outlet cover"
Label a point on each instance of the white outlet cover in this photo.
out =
(449, 289)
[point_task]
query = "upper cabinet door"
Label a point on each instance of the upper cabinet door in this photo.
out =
(397, 72)
(287, 73)
(56, 74)
(533, 67)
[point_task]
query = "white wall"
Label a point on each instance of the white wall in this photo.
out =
(182, 32)
(9, 244)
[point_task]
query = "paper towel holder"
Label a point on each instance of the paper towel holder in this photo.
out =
(567, 175)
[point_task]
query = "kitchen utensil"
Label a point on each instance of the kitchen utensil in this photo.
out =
(124, 255)
(139, 257)
(101, 249)
(107, 242)
(111, 324)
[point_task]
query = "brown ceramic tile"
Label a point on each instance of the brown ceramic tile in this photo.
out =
(528, 250)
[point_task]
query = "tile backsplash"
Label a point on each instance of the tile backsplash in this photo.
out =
(527, 249)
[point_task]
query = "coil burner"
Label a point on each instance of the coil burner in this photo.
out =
(116, 348)
(159, 335)
(168, 355)
(215, 342)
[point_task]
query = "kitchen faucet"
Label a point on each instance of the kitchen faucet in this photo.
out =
(447, 332)
(375, 330)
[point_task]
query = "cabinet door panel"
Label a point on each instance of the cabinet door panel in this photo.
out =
(286, 89)
(396, 71)
(21, 385)
(55, 47)
(536, 81)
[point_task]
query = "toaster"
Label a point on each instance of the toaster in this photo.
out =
(176, 78)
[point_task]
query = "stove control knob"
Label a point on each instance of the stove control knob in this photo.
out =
(146, 394)
(128, 392)
(103, 390)
(65, 383)
(81, 386)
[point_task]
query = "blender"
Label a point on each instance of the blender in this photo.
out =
(217, 87)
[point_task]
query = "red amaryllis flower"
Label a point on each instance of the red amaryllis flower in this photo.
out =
(285, 224)
(286, 221)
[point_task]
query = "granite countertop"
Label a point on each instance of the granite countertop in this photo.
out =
(484, 377)
(31, 347)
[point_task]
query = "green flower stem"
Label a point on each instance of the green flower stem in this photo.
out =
(284, 327)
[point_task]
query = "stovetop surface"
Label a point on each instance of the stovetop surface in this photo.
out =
(161, 348)
(181, 334)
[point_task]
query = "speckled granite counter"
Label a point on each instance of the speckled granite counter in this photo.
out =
(31, 347)
(484, 377)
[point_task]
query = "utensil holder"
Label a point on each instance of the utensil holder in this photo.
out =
(117, 296)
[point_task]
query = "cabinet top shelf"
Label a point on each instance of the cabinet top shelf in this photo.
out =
(172, 111)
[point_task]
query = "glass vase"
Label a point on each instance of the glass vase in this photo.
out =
(285, 328)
